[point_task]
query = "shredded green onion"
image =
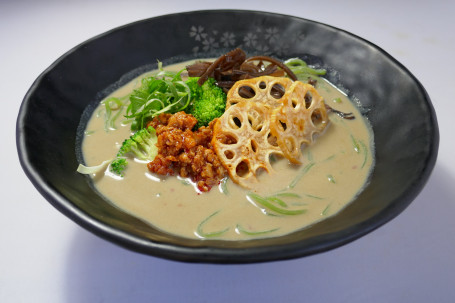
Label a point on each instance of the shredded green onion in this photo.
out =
(314, 197)
(268, 204)
(329, 158)
(301, 69)
(301, 173)
(223, 186)
(326, 210)
(202, 234)
(185, 181)
(164, 92)
(310, 156)
(355, 144)
(365, 153)
(242, 230)
(289, 195)
(113, 109)
(277, 201)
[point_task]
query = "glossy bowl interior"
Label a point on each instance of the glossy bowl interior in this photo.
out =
(57, 106)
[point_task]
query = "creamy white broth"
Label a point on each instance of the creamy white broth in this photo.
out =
(335, 169)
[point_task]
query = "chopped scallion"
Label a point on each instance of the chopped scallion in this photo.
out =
(269, 206)
(365, 153)
(242, 230)
(200, 233)
(301, 173)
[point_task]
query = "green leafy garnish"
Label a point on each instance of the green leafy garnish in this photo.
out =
(164, 92)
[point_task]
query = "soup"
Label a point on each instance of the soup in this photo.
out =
(334, 171)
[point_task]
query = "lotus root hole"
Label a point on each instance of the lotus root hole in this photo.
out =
(272, 140)
(235, 122)
(308, 99)
(246, 92)
(255, 125)
(277, 91)
(316, 118)
(242, 169)
(282, 126)
(227, 139)
(254, 146)
(229, 154)
(262, 85)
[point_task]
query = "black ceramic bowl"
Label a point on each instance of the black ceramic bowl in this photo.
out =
(49, 124)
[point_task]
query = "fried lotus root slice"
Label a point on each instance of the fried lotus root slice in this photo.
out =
(266, 89)
(301, 117)
(243, 143)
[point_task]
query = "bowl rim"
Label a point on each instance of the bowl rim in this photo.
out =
(207, 253)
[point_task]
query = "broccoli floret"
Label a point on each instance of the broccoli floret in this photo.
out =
(118, 166)
(141, 145)
(207, 101)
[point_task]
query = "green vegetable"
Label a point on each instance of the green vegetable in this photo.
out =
(355, 144)
(301, 173)
(314, 197)
(242, 230)
(141, 145)
(326, 210)
(202, 234)
(165, 92)
(268, 204)
(289, 195)
(223, 186)
(360, 147)
(365, 153)
(302, 70)
(207, 101)
(118, 165)
(113, 109)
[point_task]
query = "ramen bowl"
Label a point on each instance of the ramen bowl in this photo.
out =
(54, 110)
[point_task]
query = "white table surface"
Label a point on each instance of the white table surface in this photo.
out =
(45, 257)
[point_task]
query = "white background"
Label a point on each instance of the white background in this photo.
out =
(45, 257)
